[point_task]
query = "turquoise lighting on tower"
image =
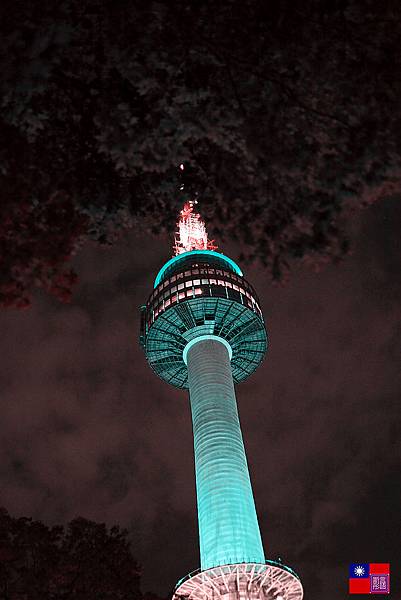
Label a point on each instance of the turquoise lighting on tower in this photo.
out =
(173, 262)
(228, 525)
(202, 329)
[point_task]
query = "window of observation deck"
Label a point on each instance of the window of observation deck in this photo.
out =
(206, 281)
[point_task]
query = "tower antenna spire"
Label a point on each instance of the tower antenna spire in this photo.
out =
(191, 231)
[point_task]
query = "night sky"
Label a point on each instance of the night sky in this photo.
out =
(87, 429)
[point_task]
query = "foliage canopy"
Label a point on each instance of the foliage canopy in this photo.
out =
(83, 561)
(285, 115)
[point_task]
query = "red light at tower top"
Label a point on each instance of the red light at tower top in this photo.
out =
(191, 234)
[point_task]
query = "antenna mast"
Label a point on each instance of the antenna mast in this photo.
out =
(191, 232)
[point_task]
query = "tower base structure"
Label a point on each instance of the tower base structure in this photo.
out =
(244, 581)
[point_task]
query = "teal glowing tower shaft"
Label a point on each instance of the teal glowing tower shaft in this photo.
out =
(228, 526)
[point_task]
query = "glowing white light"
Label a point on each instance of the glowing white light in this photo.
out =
(181, 167)
(240, 581)
(191, 234)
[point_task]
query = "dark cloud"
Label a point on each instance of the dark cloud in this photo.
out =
(87, 429)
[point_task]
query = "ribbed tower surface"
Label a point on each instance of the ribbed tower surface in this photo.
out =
(202, 329)
(228, 525)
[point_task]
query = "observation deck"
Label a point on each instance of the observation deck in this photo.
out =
(199, 293)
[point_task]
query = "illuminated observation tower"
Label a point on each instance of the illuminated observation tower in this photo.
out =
(202, 329)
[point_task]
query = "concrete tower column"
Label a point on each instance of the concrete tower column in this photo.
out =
(228, 526)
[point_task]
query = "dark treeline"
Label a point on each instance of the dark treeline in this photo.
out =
(81, 561)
